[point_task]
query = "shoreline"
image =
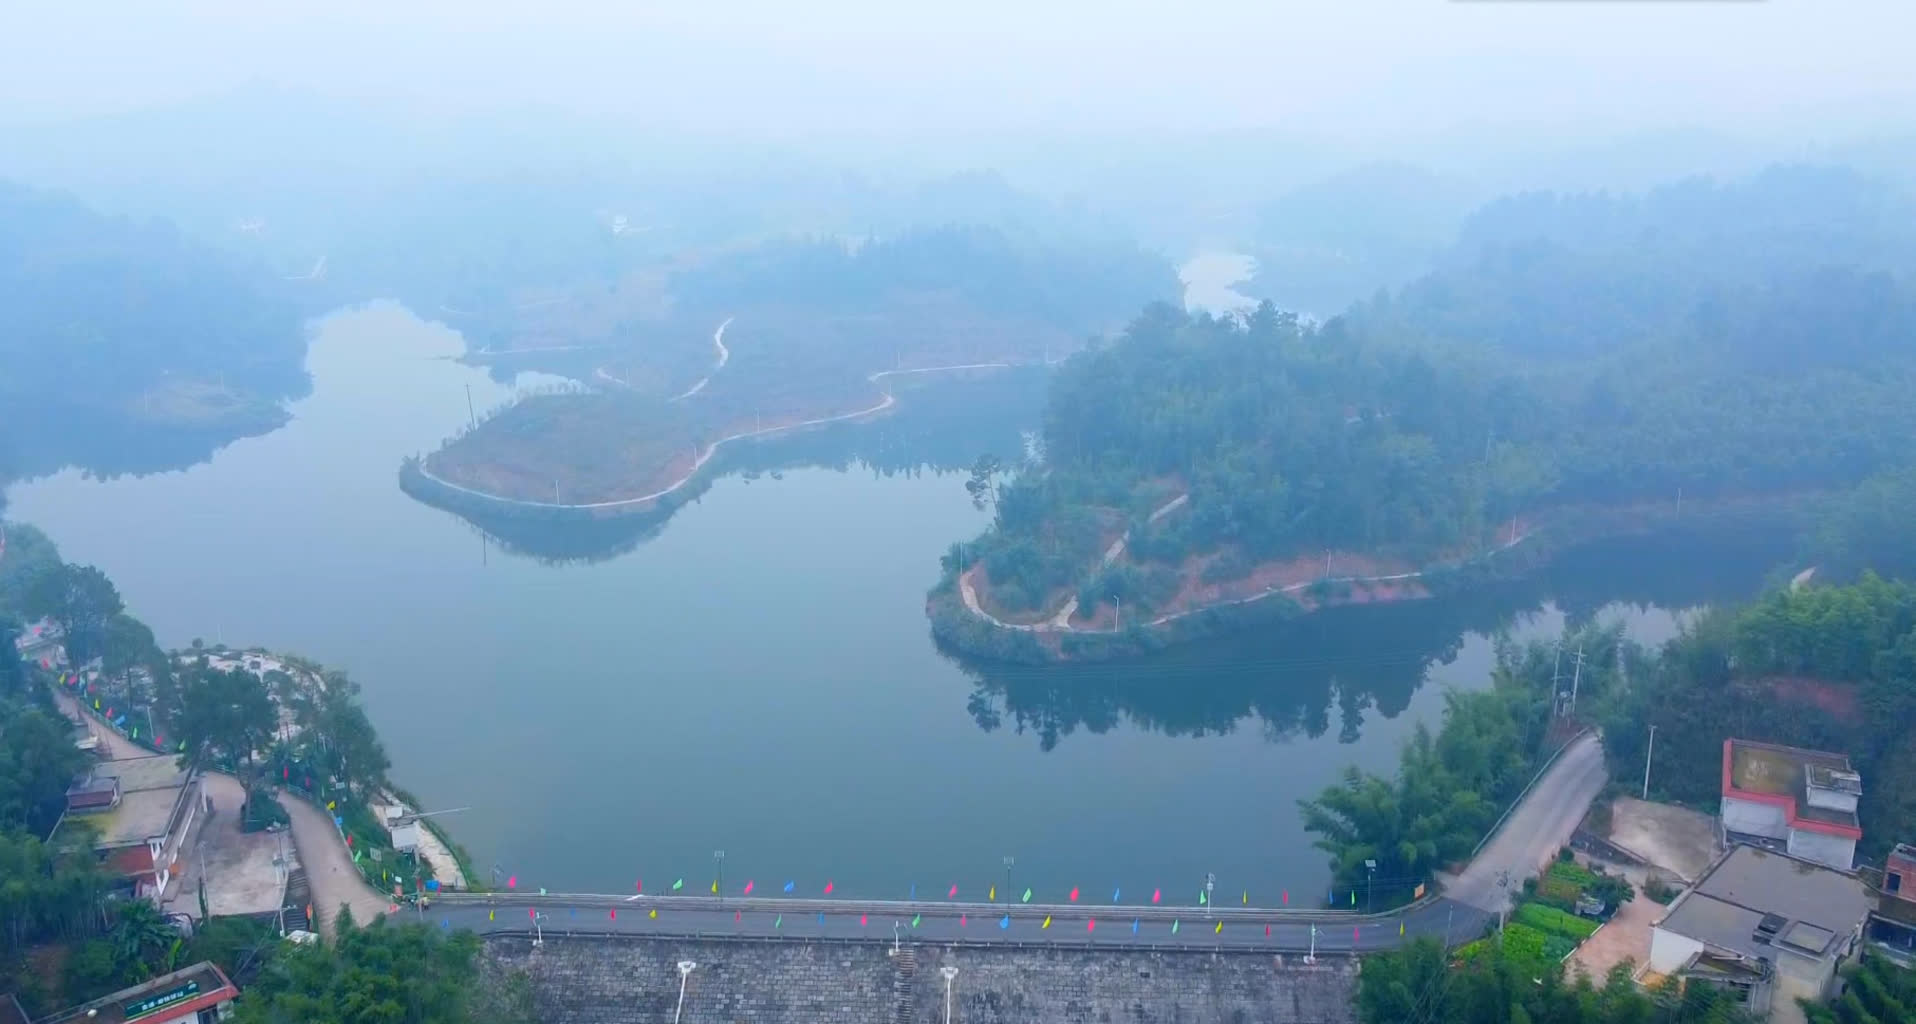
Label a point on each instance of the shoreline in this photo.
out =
(428, 487)
(960, 622)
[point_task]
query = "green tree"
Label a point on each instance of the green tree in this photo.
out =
(80, 599)
(385, 973)
(144, 942)
(125, 644)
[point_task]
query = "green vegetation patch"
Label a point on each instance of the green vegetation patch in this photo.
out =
(1556, 922)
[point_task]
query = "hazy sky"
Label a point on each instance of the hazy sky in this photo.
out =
(781, 69)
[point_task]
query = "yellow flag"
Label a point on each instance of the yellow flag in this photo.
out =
(1047, 921)
(1220, 928)
(715, 886)
(994, 893)
(329, 805)
(492, 915)
(1247, 897)
(655, 913)
(1400, 927)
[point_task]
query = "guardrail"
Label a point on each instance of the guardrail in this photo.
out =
(908, 908)
(1259, 948)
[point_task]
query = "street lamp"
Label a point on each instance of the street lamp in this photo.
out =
(949, 973)
(538, 933)
(1210, 891)
(1008, 862)
(685, 971)
(718, 861)
(1370, 886)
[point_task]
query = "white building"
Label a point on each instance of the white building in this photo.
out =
(1800, 801)
(1769, 926)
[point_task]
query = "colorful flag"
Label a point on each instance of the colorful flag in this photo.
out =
(492, 915)
(828, 887)
(914, 891)
(531, 913)
(861, 920)
(1134, 926)
(715, 887)
(790, 885)
(638, 885)
(914, 920)
(993, 895)
(1174, 926)
(1156, 894)
(1004, 922)
(1202, 898)
(542, 890)
(821, 919)
(1047, 922)
(1114, 895)
(779, 921)
(1353, 897)
(678, 884)
(512, 881)
(1247, 897)
(1220, 928)
(737, 916)
(1267, 931)
(748, 887)
(1027, 895)
(329, 805)
(953, 894)
(961, 920)
(446, 923)
(1091, 925)
(654, 915)
(613, 913)
(1287, 897)
(1400, 926)
(1074, 894)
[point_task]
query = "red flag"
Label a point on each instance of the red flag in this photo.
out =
(861, 920)
(615, 913)
(349, 839)
(1155, 894)
(748, 887)
(284, 772)
(1267, 931)
(1074, 894)
(1287, 897)
(512, 881)
(1353, 936)
(639, 885)
(828, 888)
(531, 913)
(737, 916)
(1091, 925)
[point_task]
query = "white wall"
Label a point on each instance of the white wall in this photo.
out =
(1669, 951)
(1832, 799)
(1838, 852)
(1753, 818)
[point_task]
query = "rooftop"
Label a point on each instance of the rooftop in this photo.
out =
(195, 988)
(1776, 774)
(160, 771)
(1800, 905)
(139, 817)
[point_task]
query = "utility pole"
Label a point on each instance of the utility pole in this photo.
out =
(471, 416)
(1576, 678)
(1210, 890)
(1646, 762)
(1370, 886)
(1556, 679)
(718, 861)
(1311, 957)
(1008, 862)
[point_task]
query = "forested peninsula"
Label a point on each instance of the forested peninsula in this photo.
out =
(781, 335)
(130, 348)
(1577, 367)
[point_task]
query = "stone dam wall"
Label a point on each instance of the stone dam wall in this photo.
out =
(619, 979)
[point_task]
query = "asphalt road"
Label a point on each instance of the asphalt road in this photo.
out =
(1539, 826)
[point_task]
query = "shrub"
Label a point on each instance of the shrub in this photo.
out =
(1659, 890)
(1572, 872)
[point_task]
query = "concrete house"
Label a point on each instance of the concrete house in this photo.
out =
(1802, 802)
(141, 811)
(1769, 927)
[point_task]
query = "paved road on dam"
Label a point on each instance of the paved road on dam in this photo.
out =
(1527, 838)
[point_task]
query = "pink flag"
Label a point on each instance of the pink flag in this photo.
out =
(748, 887)
(512, 881)
(1074, 894)
(861, 920)
(1156, 894)
(828, 888)
(615, 913)
(1287, 897)
(961, 920)
(1353, 936)
(953, 894)
(1091, 925)
(639, 885)
(1267, 931)
(737, 917)
(531, 913)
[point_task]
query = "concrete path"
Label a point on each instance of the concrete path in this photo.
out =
(329, 866)
(1535, 830)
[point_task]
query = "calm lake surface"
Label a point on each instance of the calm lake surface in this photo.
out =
(758, 676)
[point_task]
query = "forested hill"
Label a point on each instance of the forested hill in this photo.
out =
(1078, 285)
(1400, 438)
(1557, 276)
(117, 335)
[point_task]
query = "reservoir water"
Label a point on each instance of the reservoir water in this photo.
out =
(756, 674)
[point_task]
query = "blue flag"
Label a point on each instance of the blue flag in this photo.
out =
(1114, 895)
(914, 890)
(1005, 921)
(1134, 926)
(821, 919)
(789, 886)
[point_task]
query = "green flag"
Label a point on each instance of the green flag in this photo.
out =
(356, 856)
(1202, 899)
(1174, 927)
(680, 884)
(779, 921)
(1353, 897)
(914, 920)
